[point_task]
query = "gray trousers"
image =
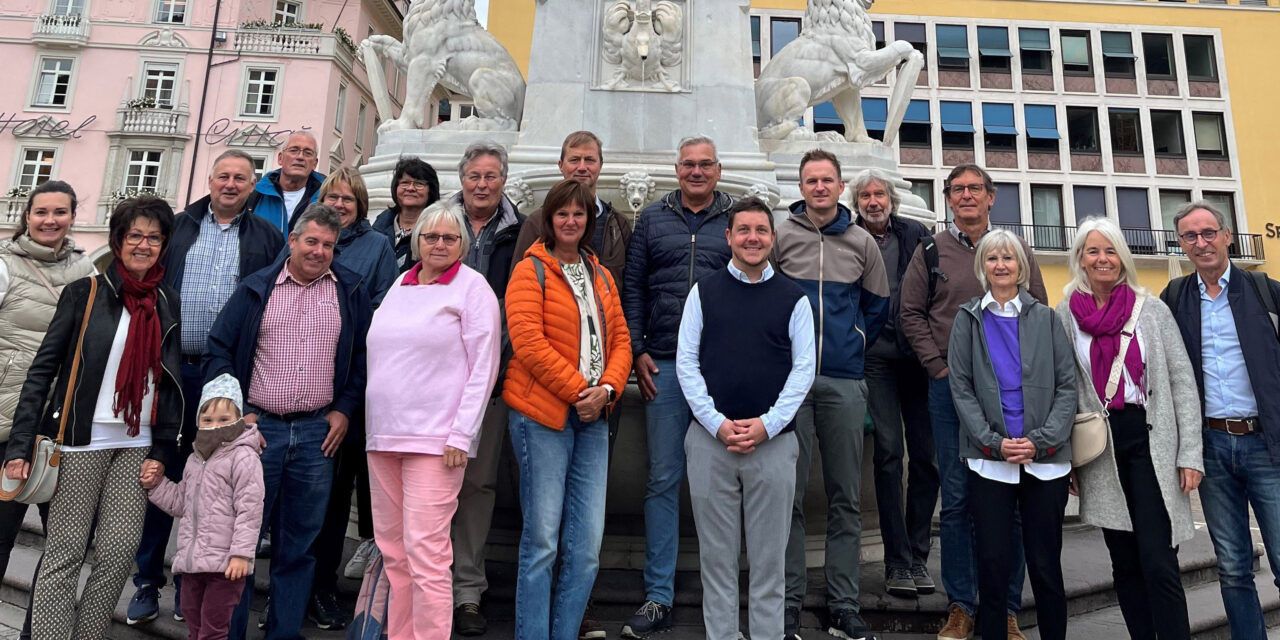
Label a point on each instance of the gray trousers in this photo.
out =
(470, 530)
(834, 411)
(105, 484)
(727, 491)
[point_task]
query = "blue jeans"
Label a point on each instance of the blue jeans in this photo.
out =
(562, 488)
(959, 562)
(157, 524)
(293, 468)
(1238, 472)
(666, 420)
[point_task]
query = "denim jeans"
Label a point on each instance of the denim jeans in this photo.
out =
(562, 488)
(293, 468)
(959, 564)
(666, 420)
(158, 524)
(1239, 473)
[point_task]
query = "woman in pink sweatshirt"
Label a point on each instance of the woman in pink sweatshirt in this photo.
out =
(433, 349)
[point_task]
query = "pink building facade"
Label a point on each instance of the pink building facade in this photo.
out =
(123, 96)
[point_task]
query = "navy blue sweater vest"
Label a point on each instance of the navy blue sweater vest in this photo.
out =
(746, 343)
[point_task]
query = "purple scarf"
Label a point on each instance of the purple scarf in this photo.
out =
(1104, 325)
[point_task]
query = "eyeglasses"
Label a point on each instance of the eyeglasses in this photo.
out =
(488, 178)
(449, 239)
(975, 189)
(137, 238)
(333, 197)
(412, 185)
(301, 151)
(705, 165)
(1209, 235)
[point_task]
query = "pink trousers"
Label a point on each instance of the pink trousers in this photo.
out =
(414, 498)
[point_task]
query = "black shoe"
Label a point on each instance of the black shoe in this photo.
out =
(846, 623)
(791, 623)
(264, 547)
(323, 610)
(590, 628)
(467, 620)
(262, 617)
(650, 618)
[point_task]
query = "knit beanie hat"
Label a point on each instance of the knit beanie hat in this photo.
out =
(223, 386)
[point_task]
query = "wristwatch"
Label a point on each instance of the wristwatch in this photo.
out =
(613, 395)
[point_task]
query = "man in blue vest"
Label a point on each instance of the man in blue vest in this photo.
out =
(745, 360)
(1219, 309)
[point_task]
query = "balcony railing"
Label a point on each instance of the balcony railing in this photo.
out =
(154, 121)
(66, 29)
(12, 207)
(280, 41)
(1142, 242)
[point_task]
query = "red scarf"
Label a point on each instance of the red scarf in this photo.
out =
(141, 346)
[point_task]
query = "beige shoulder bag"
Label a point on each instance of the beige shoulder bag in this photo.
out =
(1089, 434)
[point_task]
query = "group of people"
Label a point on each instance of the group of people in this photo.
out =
(250, 361)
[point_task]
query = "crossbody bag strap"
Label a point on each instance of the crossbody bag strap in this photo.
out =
(1126, 338)
(75, 360)
(40, 274)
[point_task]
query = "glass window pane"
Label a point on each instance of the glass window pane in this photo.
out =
(909, 31)
(1046, 205)
(1006, 209)
(1114, 43)
(1075, 50)
(1090, 202)
(1082, 129)
(783, 31)
(1166, 132)
(755, 36)
(1133, 208)
(1157, 49)
(1208, 128)
(924, 189)
(1170, 201)
(1201, 64)
(1226, 203)
(1126, 131)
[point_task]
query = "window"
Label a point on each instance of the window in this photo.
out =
(360, 116)
(1157, 49)
(1076, 59)
(1202, 65)
(1170, 201)
(924, 189)
(1225, 201)
(916, 129)
(288, 11)
(1211, 137)
(1046, 215)
(158, 83)
(781, 32)
(953, 47)
(171, 11)
(340, 110)
(36, 168)
(1135, 220)
(1126, 132)
(260, 93)
(1117, 55)
(143, 171)
(1042, 128)
(997, 123)
(825, 118)
(957, 125)
(259, 166)
(68, 7)
(914, 33)
(1090, 202)
(1166, 133)
(1082, 129)
(993, 49)
(874, 113)
(1035, 51)
(877, 28)
(755, 43)
(1007, 208)
(54, 83)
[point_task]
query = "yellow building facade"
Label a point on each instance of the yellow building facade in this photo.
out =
(1125, 108)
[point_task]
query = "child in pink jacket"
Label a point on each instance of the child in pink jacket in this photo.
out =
(220, 503)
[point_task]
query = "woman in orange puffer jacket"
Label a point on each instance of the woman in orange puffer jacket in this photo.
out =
(572, 357)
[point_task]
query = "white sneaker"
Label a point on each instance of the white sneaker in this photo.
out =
(359, 560)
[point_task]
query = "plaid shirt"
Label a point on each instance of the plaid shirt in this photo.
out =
(297, 343)
(211, 275)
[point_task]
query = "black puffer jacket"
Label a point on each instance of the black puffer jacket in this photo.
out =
(666, 257)
(40, 405)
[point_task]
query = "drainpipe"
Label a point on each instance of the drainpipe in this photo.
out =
(204, 95)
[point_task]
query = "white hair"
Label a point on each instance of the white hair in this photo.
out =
(998, 240)
(1109, 230)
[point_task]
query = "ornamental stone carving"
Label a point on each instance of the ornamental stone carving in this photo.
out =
(643, 45)
(639, 188)
(520, 193)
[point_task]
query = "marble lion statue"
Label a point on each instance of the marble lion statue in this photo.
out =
(444, 45)
(832, 60)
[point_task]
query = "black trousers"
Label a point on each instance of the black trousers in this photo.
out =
(1143, 562)
(350, 467)
(11, 516)
(1042, 505)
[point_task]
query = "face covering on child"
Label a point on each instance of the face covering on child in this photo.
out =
(209, 439)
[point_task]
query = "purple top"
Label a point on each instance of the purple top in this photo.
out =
(1006, 359)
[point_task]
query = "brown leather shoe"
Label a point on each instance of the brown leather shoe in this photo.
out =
(1014, 632)
(959, 625)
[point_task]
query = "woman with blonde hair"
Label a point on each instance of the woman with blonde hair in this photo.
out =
(1137, 490)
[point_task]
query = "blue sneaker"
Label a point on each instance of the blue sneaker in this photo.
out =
(145, 605)
(651, 618)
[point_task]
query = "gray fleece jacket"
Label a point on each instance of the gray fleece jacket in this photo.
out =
(1048, 383)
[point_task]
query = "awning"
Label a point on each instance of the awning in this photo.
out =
(953, 52)
(875, 111)
(1034, 39)
(1045, 134)
(1002, 129)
